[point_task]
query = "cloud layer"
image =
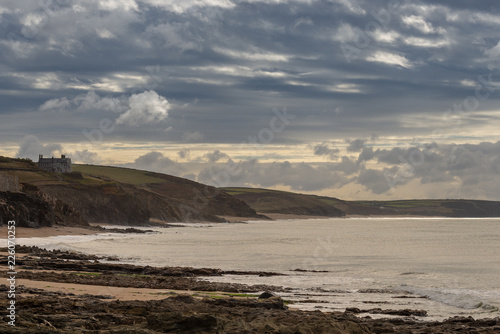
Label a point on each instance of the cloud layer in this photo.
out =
(442, 171)
(240, 59)
(165, 74)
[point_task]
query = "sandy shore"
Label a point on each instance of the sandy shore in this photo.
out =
(44, 232)
(61, 292)
(114, 292)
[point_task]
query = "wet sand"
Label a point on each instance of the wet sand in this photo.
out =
(44, 232)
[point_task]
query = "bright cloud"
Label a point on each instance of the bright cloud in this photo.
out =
(390, 59)
(145, 108)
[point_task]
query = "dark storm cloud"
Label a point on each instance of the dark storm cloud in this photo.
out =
(242, 58)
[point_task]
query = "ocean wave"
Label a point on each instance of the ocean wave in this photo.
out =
(67, 242)
(460, 298)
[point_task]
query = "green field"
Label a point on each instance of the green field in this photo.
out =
(278, 201)
(240, 190)
(124, 175)
(35, 176)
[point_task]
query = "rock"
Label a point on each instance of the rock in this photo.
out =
(277, 303)
(182, 324)
(184, 298)
(460, 319)
(41, 311)
(37, 210)
(404, 312)
(353, 310)
(266, 295)
(273, 303)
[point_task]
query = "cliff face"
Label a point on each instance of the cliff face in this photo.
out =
(199, 201)
(9, 183)
(101, 204)
(110, 195)
(37, 210)
(127, 204)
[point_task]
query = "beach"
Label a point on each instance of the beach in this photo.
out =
(73, 293)
(44, 232)
(99, 293)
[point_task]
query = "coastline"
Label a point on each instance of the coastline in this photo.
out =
(88, 294)
(44, 232)
(272, 216)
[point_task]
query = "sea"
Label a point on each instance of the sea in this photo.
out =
(446, 266)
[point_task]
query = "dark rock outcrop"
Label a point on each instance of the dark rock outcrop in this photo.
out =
(37, 210)
(101, 204)
(404, 312)
(266, 295)
(40, 312)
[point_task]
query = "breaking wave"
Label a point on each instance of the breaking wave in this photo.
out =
(460, 298)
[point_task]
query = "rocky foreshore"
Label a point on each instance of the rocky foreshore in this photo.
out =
(184, 303)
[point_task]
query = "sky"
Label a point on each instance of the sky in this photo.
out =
(356, 99)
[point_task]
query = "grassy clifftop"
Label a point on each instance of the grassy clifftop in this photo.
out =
(123, 175)
(273, 201)
(430, 207)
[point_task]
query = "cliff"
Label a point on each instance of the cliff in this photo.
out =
(273, 201)
(9, 183)
(111, 195)
(37, 210)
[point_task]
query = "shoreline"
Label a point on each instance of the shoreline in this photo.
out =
(55, 231)
(95, 228)
(45, 232)
(87, 295)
